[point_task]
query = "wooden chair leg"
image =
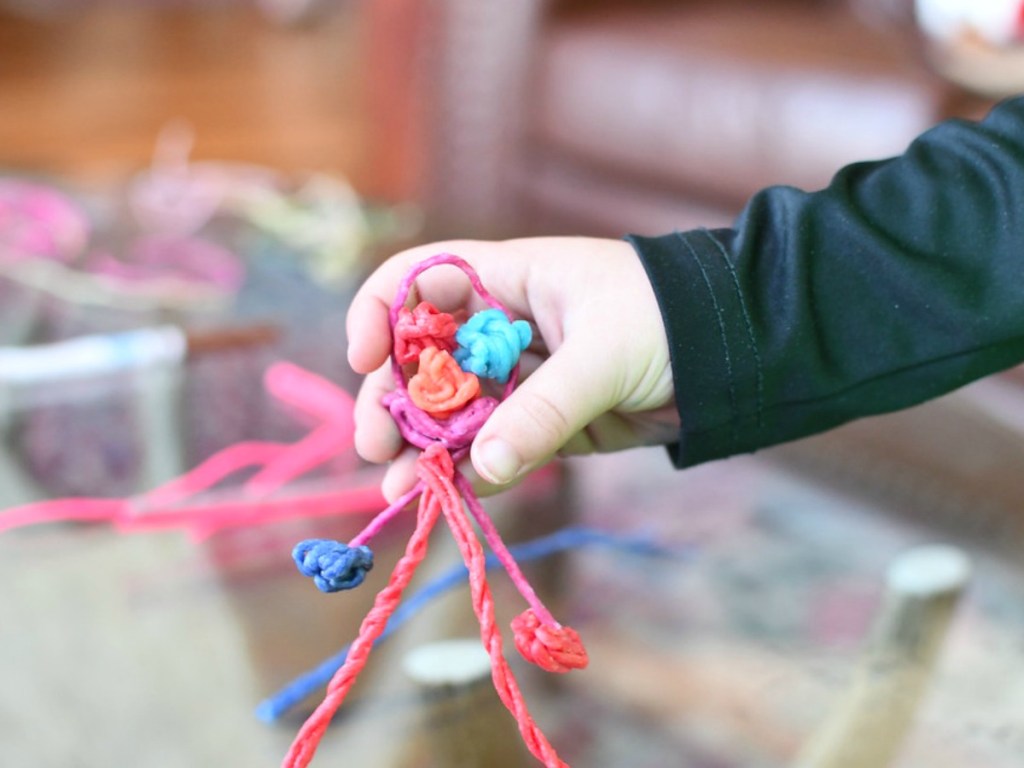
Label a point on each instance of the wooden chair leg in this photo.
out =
(464, 724)
(869, 723)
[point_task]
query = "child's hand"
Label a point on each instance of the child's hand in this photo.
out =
(596, 378)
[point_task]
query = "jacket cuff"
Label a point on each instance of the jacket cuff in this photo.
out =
(716, 366)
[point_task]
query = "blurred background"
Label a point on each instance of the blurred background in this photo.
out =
(88, 86)
(190, 191)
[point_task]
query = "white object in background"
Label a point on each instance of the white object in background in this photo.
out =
(90, 356)
(35, 375)
(463, 721)
(997, 22)
(871, 720)
(293, 11)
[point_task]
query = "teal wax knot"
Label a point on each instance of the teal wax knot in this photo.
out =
(332, 565)
(490, 344)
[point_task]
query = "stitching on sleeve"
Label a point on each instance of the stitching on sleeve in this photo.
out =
(721, 333)
(759, 374)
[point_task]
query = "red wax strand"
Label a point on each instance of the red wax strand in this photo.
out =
(437, 472)
(308, 738)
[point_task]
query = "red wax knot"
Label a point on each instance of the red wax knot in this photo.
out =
(552, 647)
(420, 328)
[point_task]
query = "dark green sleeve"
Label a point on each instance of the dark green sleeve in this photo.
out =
(902, 280)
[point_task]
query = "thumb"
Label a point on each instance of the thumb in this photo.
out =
(560, 398)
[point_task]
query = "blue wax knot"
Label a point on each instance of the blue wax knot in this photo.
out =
(332, 565)
(490, 344)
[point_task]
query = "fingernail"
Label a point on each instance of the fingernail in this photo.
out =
(497, 462)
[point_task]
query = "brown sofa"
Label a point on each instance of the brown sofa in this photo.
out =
(608, 117)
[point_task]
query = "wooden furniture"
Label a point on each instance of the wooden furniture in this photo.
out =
(608, 117)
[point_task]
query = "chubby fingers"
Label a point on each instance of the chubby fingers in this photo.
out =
(503, 267)
(377, 438)
(367, 320)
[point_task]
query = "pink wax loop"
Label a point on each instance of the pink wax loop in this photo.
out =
(453, 429)
(552, 647)
(402, 296)
(422, 327)
(455, 433)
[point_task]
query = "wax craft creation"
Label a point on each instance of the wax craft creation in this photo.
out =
(440, 410)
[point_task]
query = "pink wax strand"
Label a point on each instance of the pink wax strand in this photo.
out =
(316, 448)
(497, 545)
(438, 477)
(212, 471)
(374, 527)
(251, 512)
(81, 510)
(173, 505)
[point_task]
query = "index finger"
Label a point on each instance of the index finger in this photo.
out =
(367, 320)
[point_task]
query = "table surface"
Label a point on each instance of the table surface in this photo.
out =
(149, 650)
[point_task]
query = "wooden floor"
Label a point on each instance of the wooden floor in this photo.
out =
(86, 96)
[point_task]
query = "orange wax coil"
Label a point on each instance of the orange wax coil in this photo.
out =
(440, 387)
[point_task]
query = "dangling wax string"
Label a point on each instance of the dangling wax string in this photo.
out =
(500, 550)
(538, 637)
(575, 537)
(438, 474)
(308, 738)
(440, 411)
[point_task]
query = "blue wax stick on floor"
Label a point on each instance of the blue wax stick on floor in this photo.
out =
(275, 706)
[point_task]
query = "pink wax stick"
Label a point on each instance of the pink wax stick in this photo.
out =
(497, 545)
(311, 395)
(385, 517)
(213, 470)
(238, 512)
(62, 510)
(316, 448)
